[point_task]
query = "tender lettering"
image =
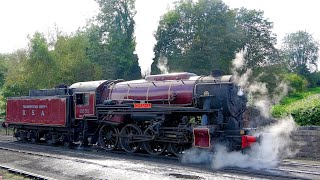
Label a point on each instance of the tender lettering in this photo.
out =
(43, 106)
(34, 106)
(30, 106)
(42, 113)
(33, 112)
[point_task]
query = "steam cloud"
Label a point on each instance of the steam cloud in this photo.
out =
(162, 64)
(147, 20)
(275, 143)
(274, 146)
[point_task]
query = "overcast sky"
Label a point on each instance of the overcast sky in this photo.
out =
(19, 18)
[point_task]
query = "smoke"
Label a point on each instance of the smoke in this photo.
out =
(162, 64)
(259, 98)
(238, 62)
(280, 91)
(275, 145)
(275, 142)
(197, 156)
(147, 20)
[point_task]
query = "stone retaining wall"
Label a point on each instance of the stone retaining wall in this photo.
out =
(307, 140)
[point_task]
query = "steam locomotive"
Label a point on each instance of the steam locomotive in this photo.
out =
(165, 112)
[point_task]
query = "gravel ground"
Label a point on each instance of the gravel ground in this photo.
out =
(60, 163)
(109, 167)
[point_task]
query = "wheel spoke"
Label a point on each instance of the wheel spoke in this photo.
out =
(127, 133)
(108, 137)
(153, 147)
(178, 149)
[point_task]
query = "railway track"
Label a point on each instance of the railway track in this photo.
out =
(290, 163)
(86, 162)
(53, 152)
(25, 173)
(78, 150)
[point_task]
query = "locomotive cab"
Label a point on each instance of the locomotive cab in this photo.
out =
(86, 95)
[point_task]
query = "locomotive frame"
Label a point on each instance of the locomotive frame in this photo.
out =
(170, 112)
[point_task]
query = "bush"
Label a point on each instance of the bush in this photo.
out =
(305, 111)
(278, 111)
(307, 116)
(296, 82)
(314, 79)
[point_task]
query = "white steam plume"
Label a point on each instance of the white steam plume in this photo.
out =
(162, 64)
(274, 146)
(256, 91)
(147, 20)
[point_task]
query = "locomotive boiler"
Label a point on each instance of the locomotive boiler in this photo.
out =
(166, 112)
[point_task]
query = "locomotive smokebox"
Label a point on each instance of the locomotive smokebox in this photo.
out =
(217, 73)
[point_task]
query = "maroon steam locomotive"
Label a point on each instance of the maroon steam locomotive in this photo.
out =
(166, 112)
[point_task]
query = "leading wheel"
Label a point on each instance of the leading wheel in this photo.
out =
(127, 138)
(178, 148)
(108, 137)
(153, 147)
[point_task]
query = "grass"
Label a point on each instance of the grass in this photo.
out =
(303, 106)
(4, 132)
(298, 96)
(4, 174)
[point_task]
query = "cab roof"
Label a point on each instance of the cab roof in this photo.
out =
(88, 85)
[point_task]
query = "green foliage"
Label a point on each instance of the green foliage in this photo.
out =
(74, 65)
(204, 35)
(299, 96)
(40, 66)
(16, 78)
(305, 111)
(112, 43)
(197, 37)
(314, 79)
(9, 175)
(258, 39)
(301, 52)
(296, 82)
(3, 68)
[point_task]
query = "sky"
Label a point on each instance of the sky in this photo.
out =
(20, 18)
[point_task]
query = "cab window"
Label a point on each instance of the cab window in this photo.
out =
(82, 99)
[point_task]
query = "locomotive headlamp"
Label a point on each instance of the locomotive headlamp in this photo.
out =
(206, 93)
(242, 132)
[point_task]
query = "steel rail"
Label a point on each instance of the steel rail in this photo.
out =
(25, 173)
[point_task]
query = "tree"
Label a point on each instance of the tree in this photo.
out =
(40, 66)
(71, 56)
(113, 39)
(257, 39)
(205, 35)
(16, 77)
(198, 37)
(3, 68)
(301, 52)
(34, 68)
